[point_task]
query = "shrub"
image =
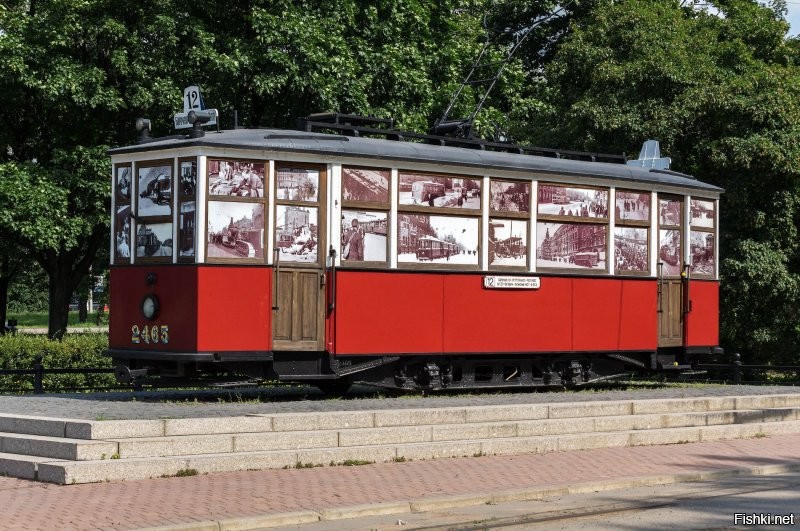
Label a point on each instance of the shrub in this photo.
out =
(74, 351)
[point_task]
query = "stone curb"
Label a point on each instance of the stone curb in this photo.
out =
(467, 500)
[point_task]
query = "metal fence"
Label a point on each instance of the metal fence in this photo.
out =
(39, 371)
(738, 373)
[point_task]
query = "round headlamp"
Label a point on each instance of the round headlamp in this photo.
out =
(150, 307)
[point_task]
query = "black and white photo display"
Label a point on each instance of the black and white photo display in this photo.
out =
(363, 236)
(510, 196)
(632, 206)
(702, 248)
(571, 246)
(122, 233)
(428, 239)
(296, 233)
(669, 252)
(235, 178)
(572, 201)
(297, 184)
(425, 189)
(702, 213)
(186, 229)
(153, 240)
(188, 178)
(365, 185)
(154, 191)
(235, 230)
(508, 242)
(123, 184)
(630, 249)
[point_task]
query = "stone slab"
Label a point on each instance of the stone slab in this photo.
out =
(33, 425)
(20, 466)
(417, 417)
(337, 456)
(293, 440)
(173, 446)
(114, 429)
(211, 426)
(392, 435)
(590, 409)
(324, 421)
(437, 450)
(57, 447)
(268, 520)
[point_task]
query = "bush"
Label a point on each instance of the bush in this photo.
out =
(74, 351)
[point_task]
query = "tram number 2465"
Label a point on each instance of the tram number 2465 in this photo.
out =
(150, 334)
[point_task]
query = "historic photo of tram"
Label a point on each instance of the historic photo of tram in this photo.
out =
(155, 191)
(572, 201)
(154, 240)
(509, 196)
(235, 230)
(571, 245)
(296, 233)
(630, 249)
(363, 236)
(236, 178)
(702, 213)
(508, 242)
(439, 191)
(188, 178)
(366, 185)
(424, 239)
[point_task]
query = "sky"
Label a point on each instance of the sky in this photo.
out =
(794, 17)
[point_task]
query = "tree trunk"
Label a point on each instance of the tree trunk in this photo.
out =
(83, 312)
(58, 314)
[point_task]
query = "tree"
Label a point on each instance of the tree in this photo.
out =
(75, 75)
(721, 91)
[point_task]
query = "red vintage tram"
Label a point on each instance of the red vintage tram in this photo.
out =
(291, 309)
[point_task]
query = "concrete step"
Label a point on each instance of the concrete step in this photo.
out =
(178, 445)
(68, 472)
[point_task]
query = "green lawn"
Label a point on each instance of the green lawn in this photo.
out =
(39, 319)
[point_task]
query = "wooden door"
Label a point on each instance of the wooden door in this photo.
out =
(670, 313)
(299, 263)
(299, 312)
(670, 266)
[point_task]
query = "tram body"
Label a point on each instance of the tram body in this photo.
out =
(428, 303)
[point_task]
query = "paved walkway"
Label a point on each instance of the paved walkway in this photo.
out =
(255, 499)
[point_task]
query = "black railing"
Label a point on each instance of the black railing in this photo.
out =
(739, 373)
(39, 371)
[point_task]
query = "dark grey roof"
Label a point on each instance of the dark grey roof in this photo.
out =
(289, 141)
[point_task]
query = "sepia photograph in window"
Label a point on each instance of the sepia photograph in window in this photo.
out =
(508, 242)
(632, 206)
(154, 240)
(427, 239)
(122, 233)
(188, 178)
(235, 230)
(365, 185)
(702, 249)
(669, 252)
(630, 250)
(557, 200)
(702, 213)
(297, 184)
(571, 246)
(186, 226)
(124, 183)
(669, 212)
(155, 191)
(425, 189)
(296, 233)
(235, 178)
(510, 196)
(363, 236)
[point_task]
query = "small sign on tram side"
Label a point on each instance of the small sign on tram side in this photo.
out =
(508, 282)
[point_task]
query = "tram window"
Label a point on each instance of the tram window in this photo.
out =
(702, 213)
(235, 230)
(669, 212)
(296, 233)
(509, 196)
(365, 185)
(364, 236)
(154, 191)
(122, 233)
(236, 178)
(297, 184)
(446, 240)
(154, 240)
(557, 200)
(631, 207)
(431, 190)
(702, 252)
(123, 184)
(188, 178)
(630, 250)
(578, 246)
(508, 243)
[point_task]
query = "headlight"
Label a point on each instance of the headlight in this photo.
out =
(150, 307)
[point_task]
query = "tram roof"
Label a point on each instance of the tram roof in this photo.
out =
(310, 143)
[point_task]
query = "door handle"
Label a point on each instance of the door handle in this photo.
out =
(277, 279)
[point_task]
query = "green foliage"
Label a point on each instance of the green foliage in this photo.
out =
(74, 351)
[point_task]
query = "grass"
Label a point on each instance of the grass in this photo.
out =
(39, 319)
